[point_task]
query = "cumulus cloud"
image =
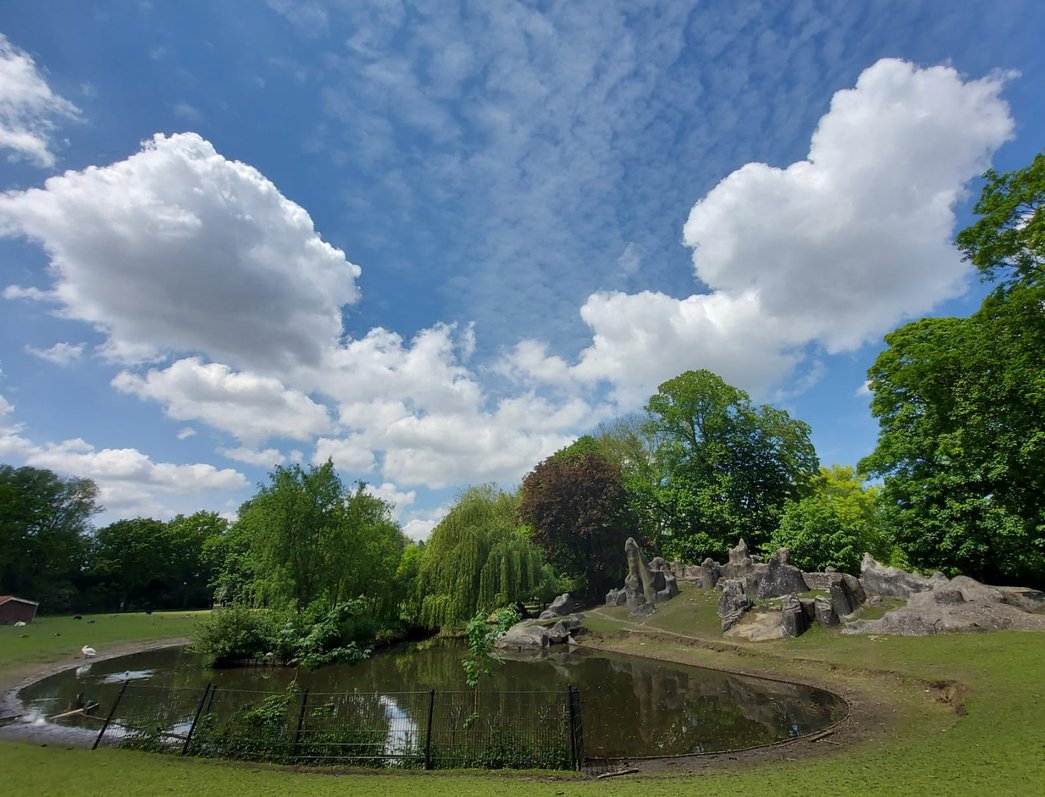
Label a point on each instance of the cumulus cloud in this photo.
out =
(828, 253)
(186, 432)
(268, 458)
(60, 353)
(177, 249)
(29, 109)
(251, 407)
(399, 499)
(129, 482)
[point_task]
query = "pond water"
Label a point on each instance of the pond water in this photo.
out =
(630, 706)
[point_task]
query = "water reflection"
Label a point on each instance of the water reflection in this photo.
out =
(630, 706)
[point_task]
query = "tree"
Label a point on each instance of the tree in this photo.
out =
(479, 529)
(132, 564)
(961, 443)
(309, 539)
(1008, 241)
(835, 525)
(45, 521)
(722, 468)
(192, 569)
(961, 404)
(576, 504)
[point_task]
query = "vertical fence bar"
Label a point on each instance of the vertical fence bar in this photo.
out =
(195, 719)
(210, 702)
(428, 730)
(301, 719)
(576, 731)
(112, 712)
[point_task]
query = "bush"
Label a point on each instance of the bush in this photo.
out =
(233, 633)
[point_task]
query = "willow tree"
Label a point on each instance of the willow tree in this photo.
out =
(478, 534)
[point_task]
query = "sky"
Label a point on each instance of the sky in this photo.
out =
(437, 241)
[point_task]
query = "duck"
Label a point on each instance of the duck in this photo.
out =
(88, 652)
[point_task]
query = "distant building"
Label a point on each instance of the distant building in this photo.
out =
(13, 609)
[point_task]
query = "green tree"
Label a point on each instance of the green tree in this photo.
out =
(192, 569)
(961, 404)
(480, 528)
(835, 525)
(721, 467)
(576, 504)
(45, 521)
(1007, 243)
(131, 564)
(309, 539)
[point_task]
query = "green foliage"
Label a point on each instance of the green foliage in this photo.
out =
(1008, 241)
(719, 467)
(255, 732)
(480, 634)
(835, 525)
(324, 635)
(961, 403)
(44, 528)
(479, 534)
(577, 506)
(234, 632)
(305, 538)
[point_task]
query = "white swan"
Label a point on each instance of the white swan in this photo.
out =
(88, 652)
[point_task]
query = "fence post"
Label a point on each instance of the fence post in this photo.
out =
(428, 730)
(112, 712)
(573, 696)
(195, 719)
(301, 719)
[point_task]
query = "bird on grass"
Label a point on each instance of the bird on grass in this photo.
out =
(88, 652)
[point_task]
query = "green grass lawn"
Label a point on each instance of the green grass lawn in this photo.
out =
(909, 743)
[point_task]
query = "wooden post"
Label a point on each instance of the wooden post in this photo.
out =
(112, 712)
(195, 719)
(428, 730)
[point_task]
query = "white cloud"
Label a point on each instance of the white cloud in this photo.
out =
(186, 432)
(268, 458)
(399, 499)
(177, 249)
(830, 252)
(129, 482)
(353, 454)
(864, 389)
(28, 107)
(251, 407)
(419, 529)
(60, 353)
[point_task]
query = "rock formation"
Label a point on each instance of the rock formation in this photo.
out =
(560, 607)
(777, 579)
(646, 584)
(890, 581)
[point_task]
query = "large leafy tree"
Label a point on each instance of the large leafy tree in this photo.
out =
(961, 404)
(133, 564)
(305, 538)
(45, 522)
(476, 560)
(722, 467)
(577, 506)
(835, 525)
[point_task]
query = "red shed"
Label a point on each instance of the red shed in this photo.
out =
(13, 609)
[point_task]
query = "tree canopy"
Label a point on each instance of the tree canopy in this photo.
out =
(477, 559)
(45, 521)
(577, 506)
(721, 467)
(961, 405)
(835, 525)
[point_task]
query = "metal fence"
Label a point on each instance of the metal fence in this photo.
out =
(430, 730)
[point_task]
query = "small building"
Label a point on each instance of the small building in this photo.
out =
(13, 610)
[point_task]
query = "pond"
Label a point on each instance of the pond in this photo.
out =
(630, 706)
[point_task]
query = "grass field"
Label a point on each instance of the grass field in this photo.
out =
(907, 742)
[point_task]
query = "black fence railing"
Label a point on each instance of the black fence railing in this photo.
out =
(429, 730)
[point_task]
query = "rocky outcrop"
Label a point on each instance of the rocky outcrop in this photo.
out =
(532, 635)
(793, 619)
(646, 584)
(560, 607)
(825, 612)
(847, 594)
(890, 581)
(709, 573)
(951, 605)
(777, 579)
(732, 603)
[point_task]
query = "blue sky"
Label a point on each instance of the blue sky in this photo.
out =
(437, 241)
